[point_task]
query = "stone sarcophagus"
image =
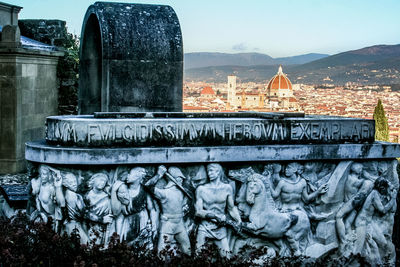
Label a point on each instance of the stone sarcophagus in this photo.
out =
(290, 184)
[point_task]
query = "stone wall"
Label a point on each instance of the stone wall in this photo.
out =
(54, 32)
(28, 95)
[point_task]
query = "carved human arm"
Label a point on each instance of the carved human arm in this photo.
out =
(35, 186)
(277, 191)
(378, 203)
(366, 187)
(60, 198)
(153, 214)
(160, 173)
(232, 209)
(358, 182)
(369, 176)
(80, 204)
(310, 197)
(200, 212)
(93, 217)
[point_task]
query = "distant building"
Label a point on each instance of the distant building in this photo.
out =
(207, 93)
(280, 93)
(242, 99)
(232, 91)
(246, 100)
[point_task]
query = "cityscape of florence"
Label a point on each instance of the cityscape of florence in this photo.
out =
(280, 95)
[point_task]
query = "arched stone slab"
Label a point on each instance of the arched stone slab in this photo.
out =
(131, 59)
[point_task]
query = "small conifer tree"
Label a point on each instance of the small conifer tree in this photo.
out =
(381, 123)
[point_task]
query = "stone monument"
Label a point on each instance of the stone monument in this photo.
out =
(303, 185)
(292, 184)
(131, 59)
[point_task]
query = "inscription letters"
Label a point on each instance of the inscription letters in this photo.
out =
(261, 132)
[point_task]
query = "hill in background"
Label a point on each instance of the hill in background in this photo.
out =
(206, 59)
(378, 64)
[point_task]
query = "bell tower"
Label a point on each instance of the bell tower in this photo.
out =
(232, 90)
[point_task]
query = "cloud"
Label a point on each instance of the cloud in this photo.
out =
(240, 47)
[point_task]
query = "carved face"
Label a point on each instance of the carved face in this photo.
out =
(70, 182)
(357, 168)
(213, 171)
(383, 190)
(100, 182)
(290, 170)
(136, 174)
(44, 173)
(123, 194)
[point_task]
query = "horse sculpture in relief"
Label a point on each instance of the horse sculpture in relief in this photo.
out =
(267, 222)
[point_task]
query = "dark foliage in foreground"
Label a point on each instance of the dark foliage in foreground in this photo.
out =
(23, 243)
(67, 75)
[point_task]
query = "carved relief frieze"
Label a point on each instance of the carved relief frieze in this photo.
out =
(307, 208)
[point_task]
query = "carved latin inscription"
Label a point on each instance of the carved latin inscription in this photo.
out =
(183, 133)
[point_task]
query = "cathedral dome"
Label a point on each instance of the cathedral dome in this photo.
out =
(207, 91)
(279, 81)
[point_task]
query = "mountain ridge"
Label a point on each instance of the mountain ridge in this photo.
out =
(379, 64)
(209, 59)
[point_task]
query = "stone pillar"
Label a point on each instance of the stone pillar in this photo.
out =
(28, 95)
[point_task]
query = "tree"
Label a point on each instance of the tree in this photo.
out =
(381, 123)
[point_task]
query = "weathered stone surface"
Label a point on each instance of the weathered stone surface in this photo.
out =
(187, 129)
(42, 152)
(9, 14)
(27, 97)
(290, 199)
(308, 208)
(286, 194)
(10, 36)
(131, 59)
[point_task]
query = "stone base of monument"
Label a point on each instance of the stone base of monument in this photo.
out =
(300, 185)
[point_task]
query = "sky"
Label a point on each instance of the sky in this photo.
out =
(277, 28)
